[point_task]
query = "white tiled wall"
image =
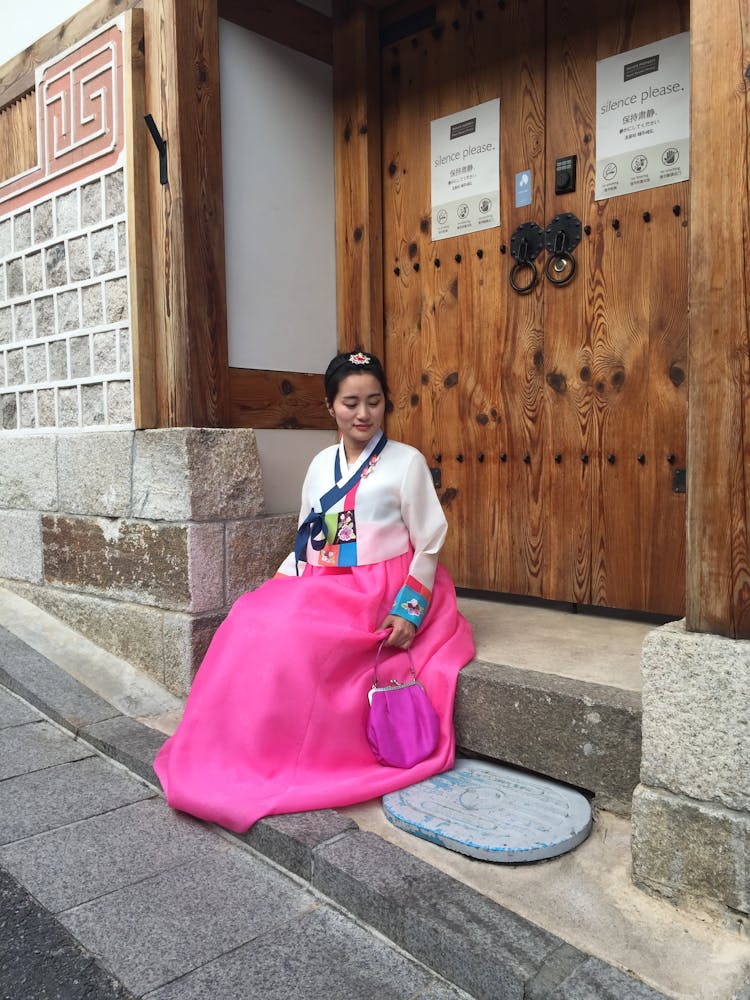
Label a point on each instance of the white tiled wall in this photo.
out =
(65, 356)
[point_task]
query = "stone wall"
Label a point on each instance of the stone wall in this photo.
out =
(65, 355)
(691, 812)
(140, 540)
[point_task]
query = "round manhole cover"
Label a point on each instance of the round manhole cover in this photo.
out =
(492, 812)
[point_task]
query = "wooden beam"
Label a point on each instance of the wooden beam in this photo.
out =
(187, 213)
(287, 22)
(137, 153)
(266, 399)
(17, 75)
(718, 498)
(357, 157)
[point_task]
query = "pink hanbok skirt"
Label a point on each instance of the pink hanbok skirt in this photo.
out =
(275, 721)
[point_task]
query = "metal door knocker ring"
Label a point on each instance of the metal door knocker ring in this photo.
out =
(525, 246)
(562, 236)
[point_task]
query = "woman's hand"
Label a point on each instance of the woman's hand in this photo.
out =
(402, 631)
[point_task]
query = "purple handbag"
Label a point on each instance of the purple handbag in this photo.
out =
(402, 727)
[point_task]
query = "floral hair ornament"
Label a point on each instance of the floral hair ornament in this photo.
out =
(360, 359)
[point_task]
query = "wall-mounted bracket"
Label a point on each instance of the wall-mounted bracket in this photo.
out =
(161, 145)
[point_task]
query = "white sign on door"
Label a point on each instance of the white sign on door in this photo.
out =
(643, 118)
(465, 171)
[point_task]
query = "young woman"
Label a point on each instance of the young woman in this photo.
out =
(276, 718)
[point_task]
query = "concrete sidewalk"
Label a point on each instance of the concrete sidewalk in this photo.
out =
(124, 897)
(174, 908)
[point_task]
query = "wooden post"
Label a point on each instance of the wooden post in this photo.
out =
(359, 240)
(718, 535)
(187, 214)
(137, 154)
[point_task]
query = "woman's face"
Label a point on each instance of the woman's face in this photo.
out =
(358, 409)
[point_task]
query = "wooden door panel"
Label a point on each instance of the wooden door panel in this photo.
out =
(521, 400)
(465, 385)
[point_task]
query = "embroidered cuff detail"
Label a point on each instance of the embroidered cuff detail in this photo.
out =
(412, 602)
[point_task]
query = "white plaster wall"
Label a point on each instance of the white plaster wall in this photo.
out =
(277, 146)
(279, 224)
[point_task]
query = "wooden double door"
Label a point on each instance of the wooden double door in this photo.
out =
(555, 420)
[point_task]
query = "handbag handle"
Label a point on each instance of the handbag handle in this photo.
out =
(377, 660)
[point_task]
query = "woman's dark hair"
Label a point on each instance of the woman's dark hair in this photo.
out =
(352, 363)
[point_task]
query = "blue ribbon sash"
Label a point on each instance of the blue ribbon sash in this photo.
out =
(313, 528)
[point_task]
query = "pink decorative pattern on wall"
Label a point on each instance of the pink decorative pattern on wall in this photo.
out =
(79, 120)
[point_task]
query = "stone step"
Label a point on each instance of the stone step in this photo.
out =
(556, 693)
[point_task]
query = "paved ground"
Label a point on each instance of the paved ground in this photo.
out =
(109, 890)
(106, 893)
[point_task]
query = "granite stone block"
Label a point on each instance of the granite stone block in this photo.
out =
(114, 198)
(186, 639)
(23, 321)
(586, 734)
(6, 325)
(119, 402)
(56, 265)
(14, 278)
(68, 407)
(45, 402)
(128, 741)
(103, 251)
(66, 793)
(48, 687)
(92, 305)
(206, 567)
(596, 980)
(147, 562)
(94, 473)
(34, 272)
(14, 711)
(127, 929)
(28, 473)
(105, 353)
(255, 550)
(22, 230)
(35, 746)
(58, 360)
(36, 364)
(469, 939)
(68, 312)
(27, 410)
(683, 848)
(696, 721)
(320, 956)
(43, 223)
(122, 245)
(80, 356)
(6, 238)
(91, 202)
(290, 839)
(78, 863)
(125, 357)
(116, 308)
(66, 212)
(197, 473)
(21, 556)
(130, 631)
(79, 258)
(92, 405)
(3, 286)
(15, 368)
(44, 316)
(9, 411)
